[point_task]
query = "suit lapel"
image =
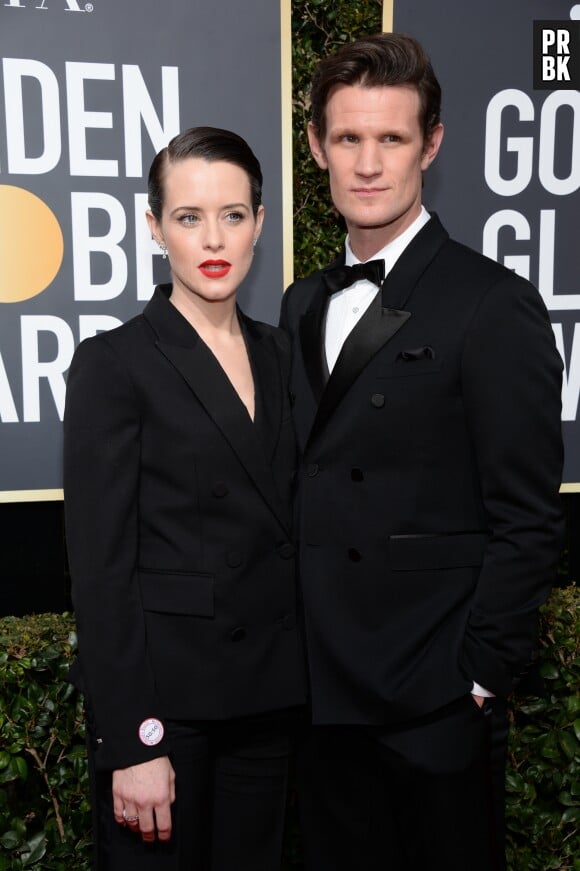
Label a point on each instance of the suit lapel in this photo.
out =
(382, 320)
(197, 365)
(413, 262)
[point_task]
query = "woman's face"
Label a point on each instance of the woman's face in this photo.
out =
(208, 226)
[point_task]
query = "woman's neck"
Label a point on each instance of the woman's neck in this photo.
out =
(208, 318)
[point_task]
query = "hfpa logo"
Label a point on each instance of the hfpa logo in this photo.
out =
(71, 5)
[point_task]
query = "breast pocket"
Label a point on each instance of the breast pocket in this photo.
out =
(177, 593)
(407, 367)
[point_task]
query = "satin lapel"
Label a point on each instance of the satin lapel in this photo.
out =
(374, 330)
(205, 377)
(403, 277)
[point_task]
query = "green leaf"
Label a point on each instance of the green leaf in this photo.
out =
(19, 767)
(571, 815)
(549, 671)
(34, 851)
(568, 743)
(9, 840)
(538, 706)
(514, 782)
(566, 799)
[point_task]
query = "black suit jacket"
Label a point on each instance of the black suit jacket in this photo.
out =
(179, 530)
(430, 520)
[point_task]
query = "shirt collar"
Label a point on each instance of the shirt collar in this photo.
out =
(392, 250)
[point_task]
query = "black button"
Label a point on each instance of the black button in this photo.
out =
(378, 400)
(238, 634)
(286, 550)
(288, 622)
(354, 555)
(312, 470)
(292, 397)
(234, 559)
(219, 489)
(356, 474)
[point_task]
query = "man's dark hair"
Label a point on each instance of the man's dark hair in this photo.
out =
(209, 143)
(381, 59)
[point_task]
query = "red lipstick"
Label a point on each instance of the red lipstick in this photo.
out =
(215, 268)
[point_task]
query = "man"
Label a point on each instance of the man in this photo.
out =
(427, 407)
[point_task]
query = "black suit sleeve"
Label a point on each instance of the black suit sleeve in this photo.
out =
(101, 483)
(295, 300)
(511, 388)
(283, 322)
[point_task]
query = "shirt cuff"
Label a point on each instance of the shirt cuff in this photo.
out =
(480, 691)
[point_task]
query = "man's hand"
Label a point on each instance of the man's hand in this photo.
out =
(142, 798)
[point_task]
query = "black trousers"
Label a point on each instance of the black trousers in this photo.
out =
(231, 781)
(426, 796)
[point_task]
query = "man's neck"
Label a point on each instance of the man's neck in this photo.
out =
(366, 243)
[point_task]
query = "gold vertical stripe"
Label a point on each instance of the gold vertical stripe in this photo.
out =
(286, 97)
(31, 496)
(388, 15)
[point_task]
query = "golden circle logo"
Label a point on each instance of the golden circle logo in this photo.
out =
(31, 245)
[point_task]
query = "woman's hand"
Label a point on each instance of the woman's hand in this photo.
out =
(142, 798)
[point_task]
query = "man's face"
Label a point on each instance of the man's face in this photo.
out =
(375, 153)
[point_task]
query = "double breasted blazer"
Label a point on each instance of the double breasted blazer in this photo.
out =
(178, 526)
(429, 517)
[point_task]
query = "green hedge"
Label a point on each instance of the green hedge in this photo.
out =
(543, 778)
(44, 810)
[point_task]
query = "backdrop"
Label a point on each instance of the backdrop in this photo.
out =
(507, 177)
(89, 92)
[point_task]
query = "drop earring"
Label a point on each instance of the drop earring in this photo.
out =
(163, 247)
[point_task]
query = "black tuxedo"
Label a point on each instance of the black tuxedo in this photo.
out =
(430, 519)
(179, 530)
(429, 516)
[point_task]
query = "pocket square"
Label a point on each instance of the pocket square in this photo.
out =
(426, 352)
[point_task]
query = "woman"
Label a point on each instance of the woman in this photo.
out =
(178, 462)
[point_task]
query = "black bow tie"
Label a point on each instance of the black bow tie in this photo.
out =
(343, 276)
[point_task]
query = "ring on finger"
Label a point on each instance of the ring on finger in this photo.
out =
(130, 819)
